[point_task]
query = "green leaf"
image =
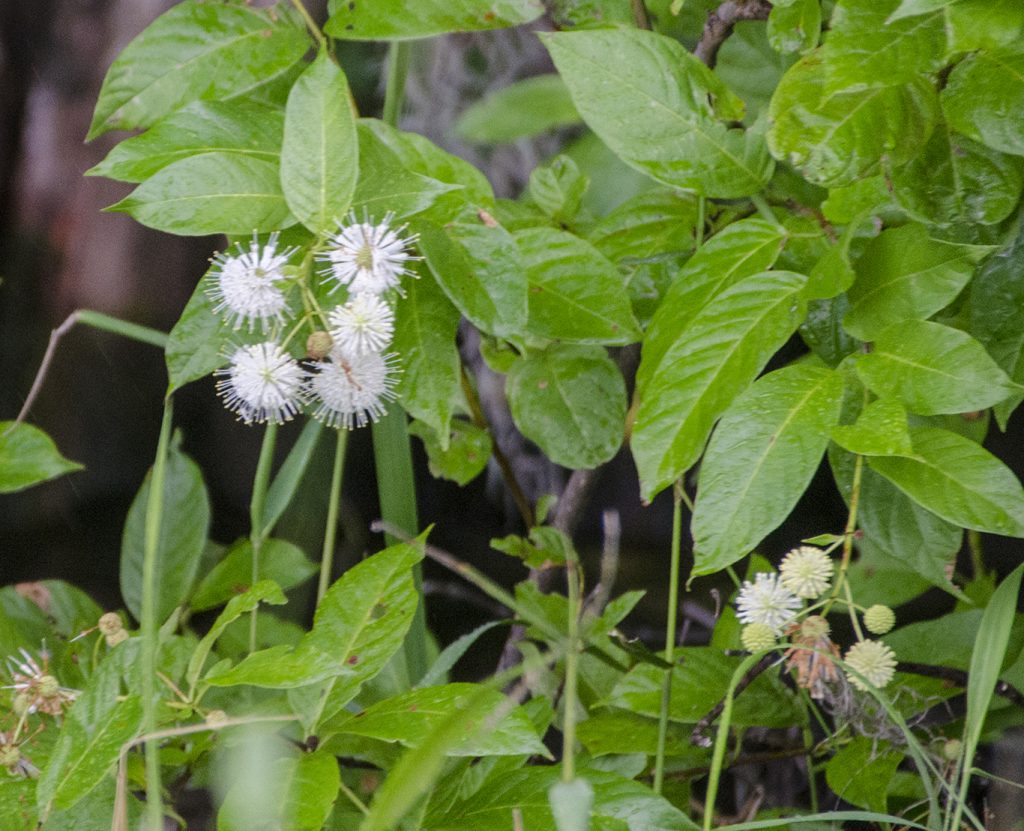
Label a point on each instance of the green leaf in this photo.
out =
(958, 480)
(557, 188)
(287, 480)
(611, 731)
(28, 456)
(183, 531)
(212, 193)
(723, 349)
(836, 139)
(392, 19)
(997, 316)
(410, 718)
(866, 47)
(955, 180)
(358, 626)
(653, 107)
(524, 109)
(896, 528)
(451, 654)
(909, 8)
(933, 369)
(426, 324)
(659, 221)
(84, 755)
(387, 185)
(861, 771)
(546, 547)
(984, 24)
(246, 127)
(196, 51)
(619, 803)
(480, 269)
(740, 250)
(280, 561)
(881, 430)
(823, 332)
(760, 460)
(297, 793)
(981, 91)
(575, 294)
(571, 804)
(199, 342)
(465, 457)
(552, 394)
(794, 27)
(698, 683)
(903, 275)
(320, 149)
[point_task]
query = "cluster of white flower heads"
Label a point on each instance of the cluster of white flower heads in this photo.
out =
(351, 382)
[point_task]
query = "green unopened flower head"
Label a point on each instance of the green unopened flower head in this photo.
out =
(9, 755)
(879, 619)
(875, 662)
(951, 749)
(756, 637)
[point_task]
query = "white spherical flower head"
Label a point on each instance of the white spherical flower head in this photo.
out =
(767, 601)
(806, 571)
(246, 285)
(875, 662)
(365, 324)
(366, 257)
(262, 384)
(353, 389)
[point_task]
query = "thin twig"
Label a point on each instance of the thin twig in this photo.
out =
(640, 16)
(697, 737)
(959, 678)
(720, 24)
(602, 592)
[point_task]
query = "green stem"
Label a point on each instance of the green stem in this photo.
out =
(150, 632)
(763, 208)
(572, 655)
(398, 69)
(977, 554)
(670, 634)
(133, 331)
(333, 504)
(314, 30)
(257, 534)
(699, 230)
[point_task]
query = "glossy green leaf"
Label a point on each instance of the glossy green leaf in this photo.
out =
(552, 394)
(279, 561)
(958, 480)
(997, 316)
(909, 8)
(619, 803)
(950, 640)
(320, 150)
(479, 267)
(749, 64)
(822, 330)
(794, 27)
(612, 731)
(196, 51)
(521, 110)
(575, 294)
(836, 139)
(200, 340)
(451, 654)
(867, 46)
(84, 755)
(723, 349)
(861, 771)
(465, 456)
(28, 456)
(699, 681)
(392, 19)
(865, 197)
(358, 626)
(246, 127)
(212, 193)
(653, 107)
(410, 718)
(933, 369)
(956, 180)
(659, 221)
(557, 188)
(425, 327)
(896, 528)
(982, 92)
(740, 250)
(984, 24)
(183, 531)
(880, 430)
(760, 460)
(387, 185)
(905, 275)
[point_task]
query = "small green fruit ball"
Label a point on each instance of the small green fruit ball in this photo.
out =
(9, 755)
(879, 619)
(48, 686)
(757, 637)
(951, 749)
